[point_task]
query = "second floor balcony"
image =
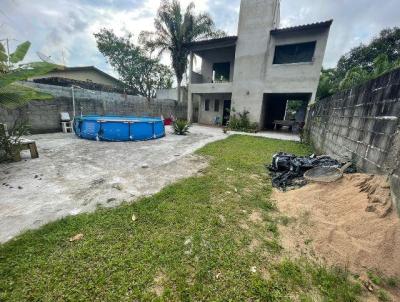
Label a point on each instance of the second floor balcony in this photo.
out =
(215, 60)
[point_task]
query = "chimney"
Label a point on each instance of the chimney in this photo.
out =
(256, 20)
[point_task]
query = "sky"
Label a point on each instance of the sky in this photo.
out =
(63, 29)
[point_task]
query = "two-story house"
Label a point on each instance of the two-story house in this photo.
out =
(258, 70)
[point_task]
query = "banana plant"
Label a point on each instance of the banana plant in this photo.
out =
(12, 93)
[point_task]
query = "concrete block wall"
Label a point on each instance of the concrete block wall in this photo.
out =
(44, 116)
(363, 125)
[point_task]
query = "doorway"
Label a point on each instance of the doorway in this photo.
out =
(196, 105)
(275, 109)
(226, 112)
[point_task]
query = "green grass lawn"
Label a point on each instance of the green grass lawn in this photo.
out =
(210, 237)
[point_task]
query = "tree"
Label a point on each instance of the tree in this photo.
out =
(294, 105)
(327, 83)
(362, 63)
(174, 30)
(13, 94)
(363, 56)
(354, 77)
(381, 65)
(136, 68)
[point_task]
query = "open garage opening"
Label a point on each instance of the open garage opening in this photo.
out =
(284, 111)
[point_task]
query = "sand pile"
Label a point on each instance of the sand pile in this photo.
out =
(347, 223)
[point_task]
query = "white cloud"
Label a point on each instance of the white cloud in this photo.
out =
(64, 28)
(355, 21)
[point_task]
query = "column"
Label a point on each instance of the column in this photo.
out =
(190, 96)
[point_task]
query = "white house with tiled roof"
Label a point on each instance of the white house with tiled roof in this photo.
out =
(258, 70)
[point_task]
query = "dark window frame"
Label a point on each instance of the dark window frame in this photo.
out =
(216, 105)
(295, 53)
(207, 105)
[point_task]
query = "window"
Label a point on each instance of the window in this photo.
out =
(221, 72)
(207, 105)
(294, 53)
(216, 105)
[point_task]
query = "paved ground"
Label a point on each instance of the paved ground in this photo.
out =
(74, 175)
(283, 135)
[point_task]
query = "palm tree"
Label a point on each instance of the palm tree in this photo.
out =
(174, 30)
(13, 94)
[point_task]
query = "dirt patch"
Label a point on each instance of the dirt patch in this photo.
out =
(254, 244)
(377, 190)
(244, 226)
(347, 223)
(158, 287)
(255, 217)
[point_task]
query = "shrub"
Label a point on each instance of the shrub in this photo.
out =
(383, 295)
(181, 127)
(393, 281)
(240, 122)
(10, 144)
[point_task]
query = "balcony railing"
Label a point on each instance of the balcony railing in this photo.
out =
(221, 81)
(198, 78)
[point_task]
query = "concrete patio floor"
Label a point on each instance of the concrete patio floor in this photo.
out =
(72, 175)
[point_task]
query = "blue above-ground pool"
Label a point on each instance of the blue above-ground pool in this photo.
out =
(118, 128)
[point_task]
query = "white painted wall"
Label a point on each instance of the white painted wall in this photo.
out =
(171, 94)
